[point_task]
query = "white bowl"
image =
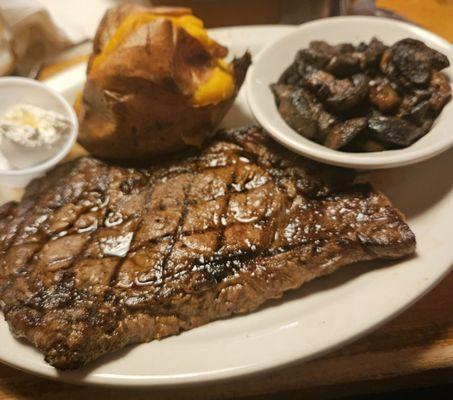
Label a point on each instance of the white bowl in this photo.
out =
(275, 58)
(22, 90)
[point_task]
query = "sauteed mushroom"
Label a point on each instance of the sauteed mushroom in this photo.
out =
(411, 62)
(384, 96)
(345, 100)
(395, 131)
(370, 54)
(341, 134)
(343, 65)
(338, 94)
(295, 108)
(441, 92)
(368, 97)
(303, 113)
(318, 54)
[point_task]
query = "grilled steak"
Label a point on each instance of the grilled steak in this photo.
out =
(96, 257)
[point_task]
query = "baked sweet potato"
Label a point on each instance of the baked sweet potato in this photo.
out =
(156, 83)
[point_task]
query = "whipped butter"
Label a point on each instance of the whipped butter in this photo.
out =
(29, 135)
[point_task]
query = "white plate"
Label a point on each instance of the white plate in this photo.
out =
(305, 323)
(273, 60)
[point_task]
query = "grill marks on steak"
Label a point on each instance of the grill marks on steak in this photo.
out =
(96, 257)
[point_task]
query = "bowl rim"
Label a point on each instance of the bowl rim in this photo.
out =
(72, 136)
(318, 152)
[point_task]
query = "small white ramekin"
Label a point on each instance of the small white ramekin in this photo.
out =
(22, 90)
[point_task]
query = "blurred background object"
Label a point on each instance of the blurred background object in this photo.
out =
(35, 36)
(36, 32)
(435, 15)
(230, 12)
(7, 57)
(250, 12)
(47, 36)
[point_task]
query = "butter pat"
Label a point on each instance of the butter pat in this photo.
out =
(32, 126)
(30, 135)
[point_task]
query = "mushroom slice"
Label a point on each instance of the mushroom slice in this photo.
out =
(294, 105)
(343, 65)
(410, 100)
(419, 113)
(441, 92)
(394, 130)
(384, 97)
(318, 54)
(370, 54)
(346, 98)
(341, 134)
(411, 62)
(323, 84)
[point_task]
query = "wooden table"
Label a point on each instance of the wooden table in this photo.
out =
(435, 15)
(413, 350)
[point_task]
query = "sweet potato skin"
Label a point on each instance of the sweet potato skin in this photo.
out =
(137, 104)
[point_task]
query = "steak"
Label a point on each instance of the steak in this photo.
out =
(96, 257)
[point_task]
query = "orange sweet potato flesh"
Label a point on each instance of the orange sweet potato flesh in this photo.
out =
(138, 100)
